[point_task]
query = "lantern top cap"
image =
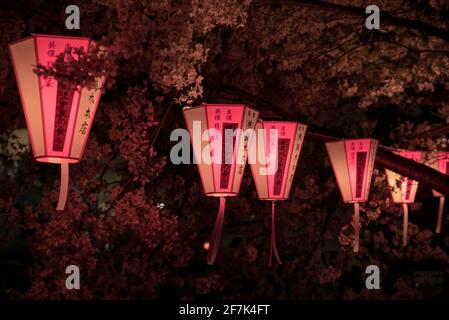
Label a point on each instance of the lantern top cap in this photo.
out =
(348, 140)
(407, 150)
(36, 35)
(57, 36)
(227, 105)
(273, 199)
(281, 121)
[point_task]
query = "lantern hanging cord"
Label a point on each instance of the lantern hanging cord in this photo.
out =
(405, 226)
(356, 226)
(273, 247)
(216, 234)
(64, 186)
(440, 215)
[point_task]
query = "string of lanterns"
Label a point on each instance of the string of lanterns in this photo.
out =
(352, 162)
(59, 116)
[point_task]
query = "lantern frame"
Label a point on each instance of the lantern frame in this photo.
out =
(416, 155)
(297, 142)
(290, 165)
(233, 185)
(54, 110)
(211, 179)
(344, 170)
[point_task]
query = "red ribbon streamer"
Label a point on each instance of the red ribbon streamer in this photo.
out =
(64, 187)
(216, 234)
(273, 247)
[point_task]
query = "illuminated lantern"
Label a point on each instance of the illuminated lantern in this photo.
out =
(220, 137)
(58, 114)
(353, 164)
(440, 162)
(403, 190)
(273, 158)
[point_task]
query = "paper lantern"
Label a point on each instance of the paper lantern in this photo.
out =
(219, 135)
(440, 162)
(274, 155)
(58, 114)
(353, 164)
(403, 190)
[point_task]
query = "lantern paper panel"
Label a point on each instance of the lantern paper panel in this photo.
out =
(274, 153)
(353, 163)
(403, 189)
(273, 180)
(440, 162)
(220, 177)
(221, 163)
(58, 114)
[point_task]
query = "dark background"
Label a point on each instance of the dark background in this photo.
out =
(308, 61)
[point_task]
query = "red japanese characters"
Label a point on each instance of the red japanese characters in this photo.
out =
(59, 114)
(353, 164)
(274, 155)
(220, 135)
(402, 189)
(438, 161)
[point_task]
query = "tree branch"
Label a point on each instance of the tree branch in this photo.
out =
(432, 133)
(385, 159)
(385, 17)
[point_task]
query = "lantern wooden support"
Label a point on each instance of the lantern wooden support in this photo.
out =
(439, 161)
(275, 151)
(403, 190)
(405, 224)
(58, 114)
(221, 163)
(356, 225)
(353, 163)
(440, 215)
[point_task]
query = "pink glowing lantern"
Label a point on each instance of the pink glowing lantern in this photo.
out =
(58, 114)
(402, 189)
(353, 164)
(220, 135)
(274, 155)
(440, 162)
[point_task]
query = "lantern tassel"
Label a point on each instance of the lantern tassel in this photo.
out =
(273, 247)
(64, 186)
(440, 215)
(405, 226)
(216, 233)
(356, 227)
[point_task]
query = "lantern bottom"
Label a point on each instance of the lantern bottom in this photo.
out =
(356, 201)
(221, 194)
(402, 202)
(56, 159)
